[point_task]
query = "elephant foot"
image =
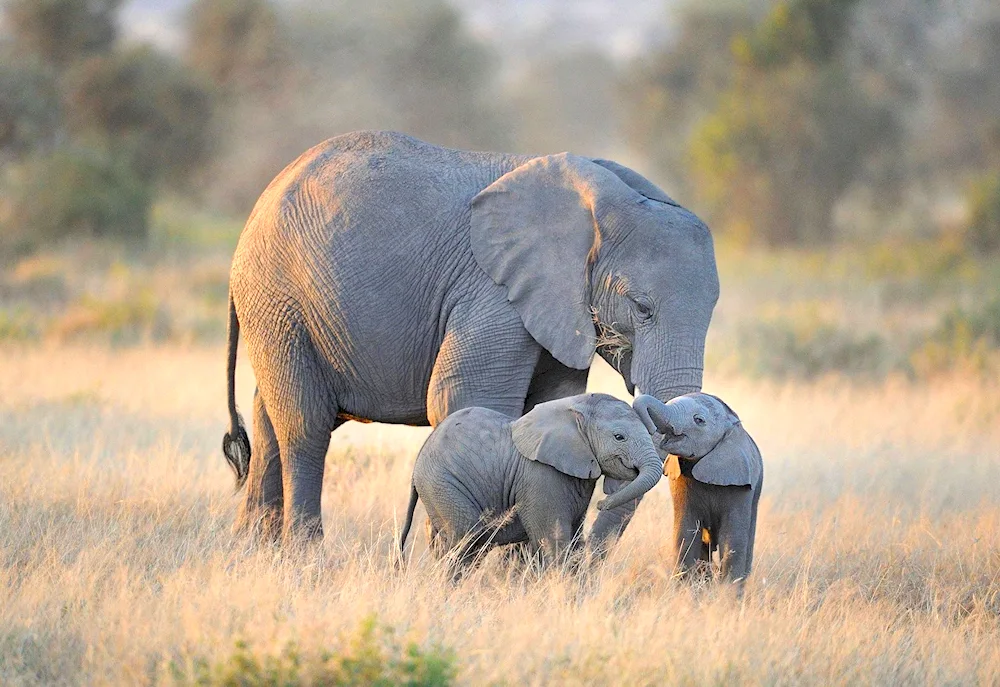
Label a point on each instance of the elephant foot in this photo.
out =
(262, 524)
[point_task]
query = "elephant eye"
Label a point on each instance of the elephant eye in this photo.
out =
(699, 420)
(643, 307)
(619, 436)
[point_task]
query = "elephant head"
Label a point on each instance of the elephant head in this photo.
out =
(590, 435)
(595, 257)
(702, 428)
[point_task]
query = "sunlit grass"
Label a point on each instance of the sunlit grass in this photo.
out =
(877, 558)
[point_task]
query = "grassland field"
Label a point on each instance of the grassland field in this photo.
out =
(869, 381)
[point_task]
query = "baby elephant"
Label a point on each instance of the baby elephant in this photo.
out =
(716, 474)
(539, 470)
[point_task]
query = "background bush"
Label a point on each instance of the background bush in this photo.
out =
(373, 657)
(75, 192)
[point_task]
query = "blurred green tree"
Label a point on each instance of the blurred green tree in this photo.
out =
(794, 130)
(983, 233)
(146, 107)
(760, 115)
(667, 94)
(61, 32)
(30, 107)
(73, 191)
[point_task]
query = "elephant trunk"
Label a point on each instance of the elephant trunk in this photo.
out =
(650, 471)
(654, 413)
(671, 367)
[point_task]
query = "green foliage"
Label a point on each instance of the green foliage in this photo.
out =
(792, 133)
(60, 32)
(813, 30)
(90, 130)
(668, 94)
(16, 325)
(983, 233)
(372, 657)
(962, 339)
(30, 108)
(129, 318)
(74, 191)
(809, 347)
(145, 105)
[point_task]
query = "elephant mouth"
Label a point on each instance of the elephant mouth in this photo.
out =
(671, 440)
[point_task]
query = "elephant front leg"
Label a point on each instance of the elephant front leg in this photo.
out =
(692, 546)
(553, 543)
(611, 524)
(552, 380)
(486, 359)
(735, 548)
(261, 510)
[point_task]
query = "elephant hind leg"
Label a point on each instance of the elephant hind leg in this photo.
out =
(303, 411)
(261, 510)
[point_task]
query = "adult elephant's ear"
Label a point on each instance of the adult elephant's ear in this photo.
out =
(735, 461)
(534, 231)
(553, 433)
(636, 181)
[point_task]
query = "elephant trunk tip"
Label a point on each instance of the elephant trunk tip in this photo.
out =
(236, 449)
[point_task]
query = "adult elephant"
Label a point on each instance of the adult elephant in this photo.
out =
(381, 278)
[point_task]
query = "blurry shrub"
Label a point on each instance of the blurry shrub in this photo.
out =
(961, 340)
(809, 348)
(17, 325)
(765, 120)
(76, 191)
(30, 108)
(145, 107)
(40, 279)
(135, 316)
(922, 260)
(371, 657)
(793, 132)
(178, 225)
(666, 95)
(983, 233)
(63, 31)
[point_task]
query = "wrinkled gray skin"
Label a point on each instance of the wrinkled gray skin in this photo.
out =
(488, 480)
(716, 474)
(380, 278)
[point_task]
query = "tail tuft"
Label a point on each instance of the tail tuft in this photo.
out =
(237, 451)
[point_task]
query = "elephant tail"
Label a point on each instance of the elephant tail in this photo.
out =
(236, 443)
(409, 519)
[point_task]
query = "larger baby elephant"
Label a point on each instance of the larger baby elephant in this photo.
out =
(487, 479)
(716, 474)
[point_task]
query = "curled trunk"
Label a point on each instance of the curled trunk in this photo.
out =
(650, 471)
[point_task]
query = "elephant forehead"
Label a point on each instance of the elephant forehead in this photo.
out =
(615, 410)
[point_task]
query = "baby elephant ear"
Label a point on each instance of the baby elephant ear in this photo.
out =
(553, 433)
(735, 461)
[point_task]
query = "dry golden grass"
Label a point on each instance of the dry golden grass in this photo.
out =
(877, 551)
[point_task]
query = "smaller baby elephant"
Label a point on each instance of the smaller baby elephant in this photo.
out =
(539, 469)
(716, 473)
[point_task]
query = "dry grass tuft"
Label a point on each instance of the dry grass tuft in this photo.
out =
(877, 556)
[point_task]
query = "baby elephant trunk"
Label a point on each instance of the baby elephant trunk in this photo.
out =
(650, 471)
